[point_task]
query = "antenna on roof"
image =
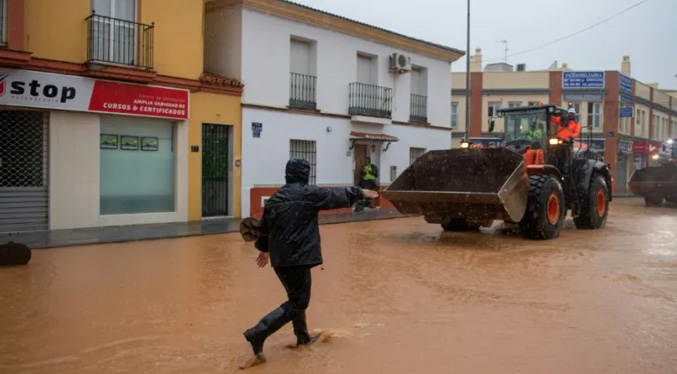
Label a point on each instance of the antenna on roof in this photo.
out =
(505, 44)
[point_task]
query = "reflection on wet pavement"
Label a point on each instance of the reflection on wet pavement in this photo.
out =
(397, 296)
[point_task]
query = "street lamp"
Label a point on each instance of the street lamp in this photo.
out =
(467, 80)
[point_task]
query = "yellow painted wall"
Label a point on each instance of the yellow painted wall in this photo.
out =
(178, 35)
(215, 109)
(57, 30)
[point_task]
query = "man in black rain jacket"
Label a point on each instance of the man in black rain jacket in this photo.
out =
(290, 235)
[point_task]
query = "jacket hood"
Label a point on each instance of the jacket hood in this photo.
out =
(297, 171)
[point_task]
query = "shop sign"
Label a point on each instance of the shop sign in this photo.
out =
(640, 147)
(625, 84)
(65, 92)
(624, 146)
(644, 147)
(488, 142)
(626, 112)
(583, 79)
(627, 99)
(586, 96)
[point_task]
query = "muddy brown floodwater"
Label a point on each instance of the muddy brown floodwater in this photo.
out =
(399, 296)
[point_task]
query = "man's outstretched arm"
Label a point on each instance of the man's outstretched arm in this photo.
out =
(341, 197)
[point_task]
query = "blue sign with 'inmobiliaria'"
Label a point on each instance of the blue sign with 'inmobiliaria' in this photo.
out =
(583, 79)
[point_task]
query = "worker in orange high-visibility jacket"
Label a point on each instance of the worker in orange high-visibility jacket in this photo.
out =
(568, 128)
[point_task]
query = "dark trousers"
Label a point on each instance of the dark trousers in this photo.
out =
(297, 282)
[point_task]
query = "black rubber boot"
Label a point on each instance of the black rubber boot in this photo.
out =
(301, 330)
(257, 335)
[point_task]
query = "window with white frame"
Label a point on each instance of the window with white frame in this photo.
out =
(113, 31)
(367, 69)
(623, 123)
(302, 80)
(513, 104)
(534, 103)
(307, 150)
(595, 115)
(415, 153)
(454, 115)
(642, 119)
(494, 106)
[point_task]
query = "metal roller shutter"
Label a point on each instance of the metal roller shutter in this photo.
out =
(24, 169)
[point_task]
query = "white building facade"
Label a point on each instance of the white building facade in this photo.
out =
(327, 89)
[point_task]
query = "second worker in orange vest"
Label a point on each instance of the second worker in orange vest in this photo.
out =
(571, 128)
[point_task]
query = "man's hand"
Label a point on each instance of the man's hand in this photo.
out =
(262, 259)
(369, 194)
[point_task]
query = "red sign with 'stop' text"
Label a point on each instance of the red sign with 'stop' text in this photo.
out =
(113, 97)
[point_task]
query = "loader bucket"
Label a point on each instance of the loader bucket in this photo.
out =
(472, 184)
(654, 181)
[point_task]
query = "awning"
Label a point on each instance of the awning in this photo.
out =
(354, 135)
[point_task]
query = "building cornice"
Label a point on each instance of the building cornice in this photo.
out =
(206, 83)
(300, 13)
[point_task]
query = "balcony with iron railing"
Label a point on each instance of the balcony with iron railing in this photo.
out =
(419, 108)
(370, 100)
(302, 92)
(117, 41)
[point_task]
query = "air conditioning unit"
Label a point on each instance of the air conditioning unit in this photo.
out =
(400, 63)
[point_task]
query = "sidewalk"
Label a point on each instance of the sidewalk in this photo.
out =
(119, 234)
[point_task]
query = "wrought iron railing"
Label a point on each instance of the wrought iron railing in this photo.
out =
(419, 108)
(370, 100)
(119, 41)
(302, 91)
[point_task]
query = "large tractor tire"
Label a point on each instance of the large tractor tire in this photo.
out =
(595, 206)
(653, 200)
(545, 212)
(458, 225)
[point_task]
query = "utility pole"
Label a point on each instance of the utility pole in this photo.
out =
(467, 81)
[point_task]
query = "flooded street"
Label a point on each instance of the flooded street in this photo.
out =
(400, 296)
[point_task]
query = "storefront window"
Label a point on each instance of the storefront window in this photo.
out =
(137, 165)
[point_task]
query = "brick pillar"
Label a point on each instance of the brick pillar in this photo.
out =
(15, 25)
(555, 88)
(611, 110)
(476, 85)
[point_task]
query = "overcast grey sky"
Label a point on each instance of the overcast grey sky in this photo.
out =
(648, 33)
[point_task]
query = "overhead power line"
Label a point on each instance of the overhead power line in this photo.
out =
(573, 34)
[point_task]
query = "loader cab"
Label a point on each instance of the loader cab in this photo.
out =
(527, 127)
